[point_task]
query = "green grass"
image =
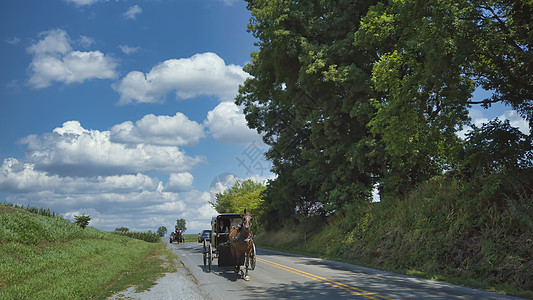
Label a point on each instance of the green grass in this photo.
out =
(191, 238)
(50, 258)
(441, 231)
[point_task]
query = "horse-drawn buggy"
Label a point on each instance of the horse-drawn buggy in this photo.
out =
(176, 236)
(231, 242)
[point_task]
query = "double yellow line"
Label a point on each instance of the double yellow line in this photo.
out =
(348, 288)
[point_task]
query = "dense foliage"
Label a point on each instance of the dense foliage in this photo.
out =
(181, 224)
(161, 231)
(465, 233)
(82, 220)
(242, 195)
(352, 95)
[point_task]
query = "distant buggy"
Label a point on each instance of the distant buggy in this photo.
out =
(176, 236)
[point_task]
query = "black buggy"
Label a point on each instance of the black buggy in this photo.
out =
(218, 247)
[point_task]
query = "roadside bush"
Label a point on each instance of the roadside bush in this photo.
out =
(151, 237)
(458, 230)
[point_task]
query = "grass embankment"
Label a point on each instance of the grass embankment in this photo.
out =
(438, 232)
(50, 258)
(191, 238)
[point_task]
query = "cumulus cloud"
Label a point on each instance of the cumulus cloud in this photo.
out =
(180, 182)
(206, 211)
(132, 12)
(227, 124)
(175, 130)
(76, 151)
(138, 202)
(135, 201)
(18, 177)
(55, 60)
(201, 74)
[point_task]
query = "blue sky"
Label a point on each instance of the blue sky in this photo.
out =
(123, 109)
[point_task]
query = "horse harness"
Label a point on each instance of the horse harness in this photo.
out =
(239, 237)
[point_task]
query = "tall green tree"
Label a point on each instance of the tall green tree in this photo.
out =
(162, 230)
(502, 59)
(432, 55)
(182, 224)
(422, 87)
(82, 220)
(242, 195)
(349, 94)
(309, 95)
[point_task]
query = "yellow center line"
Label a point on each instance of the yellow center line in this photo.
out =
(349, 288)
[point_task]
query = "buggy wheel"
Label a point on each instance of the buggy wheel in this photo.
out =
(205, 255)
(209, 256)
(253, 258)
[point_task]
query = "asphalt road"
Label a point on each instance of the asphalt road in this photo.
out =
(285, 276)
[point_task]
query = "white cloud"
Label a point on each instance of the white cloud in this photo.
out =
(202, 74)
(73, 150)
(478, 119)
(54, 42)
(86, 41)
(206, 211)
(13, 40)
(54, 60)
(227, 124)
(228, 2)
(196, 197)
(175, 130)
(138, 201)
(132, 12)
(180, 182)
(127, 49)
(82, 2)
(19, 177)
(16, 176)
(515, 120)
(221, 183)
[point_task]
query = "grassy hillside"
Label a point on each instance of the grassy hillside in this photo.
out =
(440, 231)
(50, 258)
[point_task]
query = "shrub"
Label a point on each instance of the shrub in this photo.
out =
(82, 220)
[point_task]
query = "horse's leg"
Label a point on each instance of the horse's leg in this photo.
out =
(247, 261)
(234, 253)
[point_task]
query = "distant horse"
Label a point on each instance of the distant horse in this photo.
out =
(178, 236)
(241, 242)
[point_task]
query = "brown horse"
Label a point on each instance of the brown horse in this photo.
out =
(241, 242)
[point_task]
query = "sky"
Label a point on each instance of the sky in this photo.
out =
(123, 109)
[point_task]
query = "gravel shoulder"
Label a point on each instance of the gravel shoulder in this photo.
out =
(180, 285)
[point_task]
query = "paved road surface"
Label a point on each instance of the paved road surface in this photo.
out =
(285, 276)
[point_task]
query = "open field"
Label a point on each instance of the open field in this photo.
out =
(50, 258)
